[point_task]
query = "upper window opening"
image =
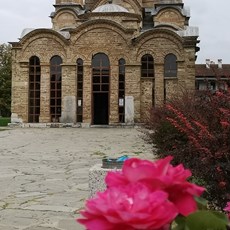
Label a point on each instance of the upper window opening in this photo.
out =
(147, 66)
(170, 66)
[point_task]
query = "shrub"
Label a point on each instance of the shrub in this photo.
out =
(4, 121)
(195, 129)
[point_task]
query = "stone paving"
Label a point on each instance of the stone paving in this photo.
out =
(44, 172)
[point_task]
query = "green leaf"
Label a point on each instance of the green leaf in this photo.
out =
(206, 220)
(179, 223)
(201, 203)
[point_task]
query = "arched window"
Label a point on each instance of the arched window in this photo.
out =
(100, 88)
(170, 66)
(79, 89)
(55, 88)
(121, 92)
(147, 66)
(101, 69)
(34, 89)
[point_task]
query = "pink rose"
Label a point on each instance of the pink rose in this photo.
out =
(181, 192)
(159, 175)
(227, 208)
(136, 170)
(129, 207)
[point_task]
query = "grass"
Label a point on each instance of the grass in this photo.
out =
(4, 121)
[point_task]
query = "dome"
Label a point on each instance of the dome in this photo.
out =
(110, 8)
(26, 31)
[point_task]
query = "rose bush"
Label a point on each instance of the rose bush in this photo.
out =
(149, 195)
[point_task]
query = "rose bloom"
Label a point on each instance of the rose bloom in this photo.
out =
(129, 207)
(227, 208)
(159, 175)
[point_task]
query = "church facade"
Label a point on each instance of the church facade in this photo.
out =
(103, 63)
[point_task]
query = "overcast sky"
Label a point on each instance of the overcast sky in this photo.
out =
(212, 18)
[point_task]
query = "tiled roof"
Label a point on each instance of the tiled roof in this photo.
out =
(213, 71)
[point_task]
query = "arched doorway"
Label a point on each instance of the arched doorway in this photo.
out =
(100, 89)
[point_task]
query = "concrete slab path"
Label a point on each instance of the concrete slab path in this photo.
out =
(44, 172)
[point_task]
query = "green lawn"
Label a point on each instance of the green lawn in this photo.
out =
(4, 121)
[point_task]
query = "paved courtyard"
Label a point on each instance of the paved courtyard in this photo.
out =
(44, 172)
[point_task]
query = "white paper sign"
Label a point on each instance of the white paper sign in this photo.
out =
(121, 102)
(79, 103)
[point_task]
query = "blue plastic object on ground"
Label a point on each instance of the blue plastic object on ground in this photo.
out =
(122, 158)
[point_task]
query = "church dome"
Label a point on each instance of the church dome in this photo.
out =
(110, 8)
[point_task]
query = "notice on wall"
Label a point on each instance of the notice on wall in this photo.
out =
(121, 101)
(79, 103)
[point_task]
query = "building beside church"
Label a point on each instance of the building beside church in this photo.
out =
(212, 76)
(103, 62)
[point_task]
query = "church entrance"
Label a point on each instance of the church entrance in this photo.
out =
(100, 89)
(101, 108)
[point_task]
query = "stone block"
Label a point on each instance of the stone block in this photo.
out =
(97, 176)
(69, 110)
(85, 125)
(129, 110)
(15, 119)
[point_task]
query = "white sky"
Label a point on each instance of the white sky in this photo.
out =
(211, 17)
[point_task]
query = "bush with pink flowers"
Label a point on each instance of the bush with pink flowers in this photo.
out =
(152, 196)
(195, 129)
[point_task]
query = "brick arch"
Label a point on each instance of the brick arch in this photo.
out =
(171, 16)
(94, 52)
(176, 10)
(65, 10)
(100, 23)
(160, 34)
(170, 51)
(143, 52)
(112, 58)
(56, 19)
(125, 56)
(58, 40)
(44, 32)
(81, 56)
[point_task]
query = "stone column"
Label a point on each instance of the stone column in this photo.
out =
(189, 66)
(132, 87)
(68, 93)
(113, 107)
(87, 94)
(45, 93)
(19, 104)
(159, 84)
(147, 98)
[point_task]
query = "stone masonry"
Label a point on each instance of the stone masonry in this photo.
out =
(120, 30)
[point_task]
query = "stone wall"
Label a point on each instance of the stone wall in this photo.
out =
(115, 38)
(170, 16)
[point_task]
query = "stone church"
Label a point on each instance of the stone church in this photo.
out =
(103, 62)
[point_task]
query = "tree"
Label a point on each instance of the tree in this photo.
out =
(5, 79)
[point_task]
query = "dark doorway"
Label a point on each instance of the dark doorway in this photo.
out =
(100, 88)
(100, 108)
